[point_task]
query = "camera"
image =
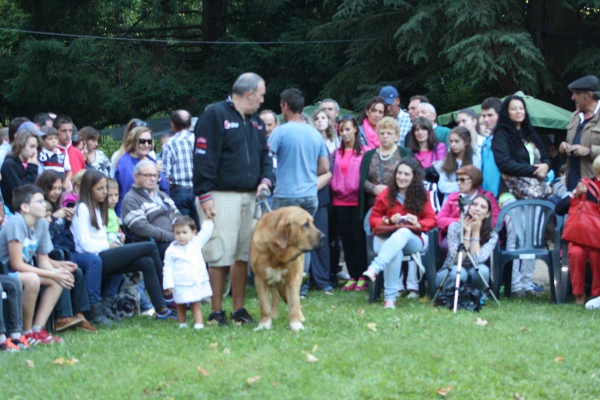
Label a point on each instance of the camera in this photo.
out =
(464, 200)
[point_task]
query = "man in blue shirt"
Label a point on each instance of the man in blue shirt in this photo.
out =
(301, 157)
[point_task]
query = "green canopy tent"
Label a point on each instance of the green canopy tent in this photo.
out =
(546, 117)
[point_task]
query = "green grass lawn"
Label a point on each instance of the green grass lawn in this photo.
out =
(530, 347)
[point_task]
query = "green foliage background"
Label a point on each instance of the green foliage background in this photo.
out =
(455, 51)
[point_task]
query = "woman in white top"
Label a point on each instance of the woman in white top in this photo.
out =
(89, 234)
(461, 153)
(326, 127)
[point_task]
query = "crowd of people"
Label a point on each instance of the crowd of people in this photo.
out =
(173, 225)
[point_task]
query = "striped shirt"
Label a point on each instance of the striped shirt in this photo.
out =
(177, 156)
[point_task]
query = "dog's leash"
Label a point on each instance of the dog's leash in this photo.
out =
(262, 199)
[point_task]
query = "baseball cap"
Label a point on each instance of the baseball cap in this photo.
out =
(389, 93)
(31, 127)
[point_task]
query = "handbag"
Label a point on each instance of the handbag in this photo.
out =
(583, 221)
(524, 187)
(388, 229)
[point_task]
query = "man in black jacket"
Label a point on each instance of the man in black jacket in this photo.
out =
(232, 166)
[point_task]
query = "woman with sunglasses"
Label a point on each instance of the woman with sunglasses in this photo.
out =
(114, 159)
(138, 147)
(469, 180)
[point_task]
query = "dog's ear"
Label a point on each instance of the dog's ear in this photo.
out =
(282, 232)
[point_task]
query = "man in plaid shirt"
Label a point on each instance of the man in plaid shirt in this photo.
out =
(178, 165)
(392, 109)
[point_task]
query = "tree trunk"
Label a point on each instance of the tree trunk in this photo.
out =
(214, 19)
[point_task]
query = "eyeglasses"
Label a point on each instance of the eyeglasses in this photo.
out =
(145, 141)
(463, 180)
(155, 176)
(139, 122)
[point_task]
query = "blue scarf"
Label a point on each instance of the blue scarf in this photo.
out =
(400, 199)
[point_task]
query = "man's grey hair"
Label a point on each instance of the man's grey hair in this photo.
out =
(264, 112)
(337, 106)
(3, 134)
(246, 82)
(429, 107)
(142, 164)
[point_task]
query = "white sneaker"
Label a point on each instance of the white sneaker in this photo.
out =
(593, 304)
(370, 273)
(389, 304)
(412, 295)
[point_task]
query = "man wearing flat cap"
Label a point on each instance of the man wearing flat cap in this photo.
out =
(583, 132)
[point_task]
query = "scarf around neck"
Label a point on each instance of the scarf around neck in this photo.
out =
(372, 139)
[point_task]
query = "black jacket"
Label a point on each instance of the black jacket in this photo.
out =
(14, 175)
(230, 152)
(511, 155)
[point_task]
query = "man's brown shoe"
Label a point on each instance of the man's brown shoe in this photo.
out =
(580, 299)
(87, 327)
(65, 323)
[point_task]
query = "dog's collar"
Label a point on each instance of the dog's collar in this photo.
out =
(296, 256)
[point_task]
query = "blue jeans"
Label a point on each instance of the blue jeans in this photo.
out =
(13, 288)
(309, 204)
(91, 265)
(389, 260)
(467, 275)
(185, 200)
(74, 300)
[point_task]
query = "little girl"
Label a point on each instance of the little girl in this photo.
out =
(185, 270)
(70, 198)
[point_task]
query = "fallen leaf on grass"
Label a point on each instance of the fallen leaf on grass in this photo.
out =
(517, 396)
(523, 329)
(396, 318)
(30, 363)
(226, 351)
(202, 371)
(213, 346)
(315, 348)
(444, 391)
(236, 323)
(396, 326)
(424, 300)
(361, 311)
(436, 310)
(559, 359)
(275, 384)
(481, 322)
(334, 307)
(311, 359)
(251, 381)
(372, 326)
(63, 361)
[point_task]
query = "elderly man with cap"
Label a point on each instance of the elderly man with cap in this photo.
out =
(583, 139)
(392, 109)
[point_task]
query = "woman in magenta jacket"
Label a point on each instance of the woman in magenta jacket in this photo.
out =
(345, 185)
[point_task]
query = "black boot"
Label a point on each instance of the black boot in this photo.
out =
(96, 315)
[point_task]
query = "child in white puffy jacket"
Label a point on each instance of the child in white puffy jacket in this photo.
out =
(185, 270)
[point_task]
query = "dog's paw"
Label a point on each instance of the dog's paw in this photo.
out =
(296, 326)
(264, 325)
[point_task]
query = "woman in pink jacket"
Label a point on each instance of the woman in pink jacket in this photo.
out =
(469, 180)
(345, 186)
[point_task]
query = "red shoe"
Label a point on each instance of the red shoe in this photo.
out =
(361, 285)
(32, 339)
(44, 337)
(350, 285)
